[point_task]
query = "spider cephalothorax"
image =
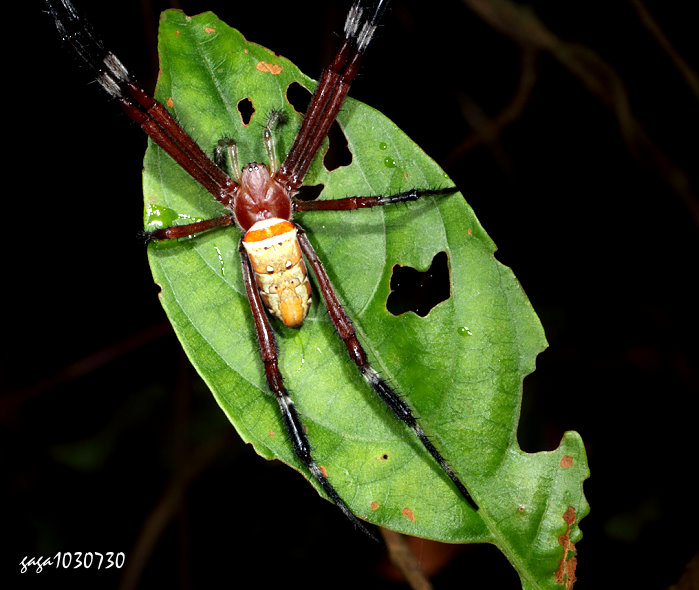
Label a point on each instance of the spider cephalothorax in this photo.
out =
(259, 197)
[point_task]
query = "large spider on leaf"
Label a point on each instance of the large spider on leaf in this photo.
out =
(261, 200)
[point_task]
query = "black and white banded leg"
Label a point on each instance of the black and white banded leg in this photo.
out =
(292, 422)
(386, 393)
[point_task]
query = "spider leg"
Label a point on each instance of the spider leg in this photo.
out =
(225, 154)
(351, 203)
(386, 393)
(292, 422)
(149, 114)
(189, 229)
(330, 93)
(268, 139)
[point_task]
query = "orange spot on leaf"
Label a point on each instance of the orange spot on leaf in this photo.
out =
(408, 514)
(567, 462)
(565, 574)
(209, 30)
(169, 102)
(374, 505)
(323, 470)
(264, 66)
(271, 432)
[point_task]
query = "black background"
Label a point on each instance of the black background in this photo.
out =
(101, 414)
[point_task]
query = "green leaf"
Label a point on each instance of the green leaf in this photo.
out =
(461, 367)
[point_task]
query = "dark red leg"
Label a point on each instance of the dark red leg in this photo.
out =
(153, 117)
(165, 120)
(350, 203)
(174, 150)
(292, 422)
(346, 331)
(330, 94)
(189, 229)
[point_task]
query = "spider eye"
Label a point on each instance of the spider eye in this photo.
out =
(270, 269)
(288, 264)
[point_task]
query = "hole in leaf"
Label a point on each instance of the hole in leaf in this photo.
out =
(309, 192)
(246, 110)
(298, 97)
(419, 292)
(338, 153)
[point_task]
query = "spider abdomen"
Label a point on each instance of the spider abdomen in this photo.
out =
(280, 272)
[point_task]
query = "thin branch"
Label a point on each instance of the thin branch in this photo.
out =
(11, 402)
(690, 577)
(166, 508)
(598, 77)
(488, 130)
(649, 22)
(404, 560)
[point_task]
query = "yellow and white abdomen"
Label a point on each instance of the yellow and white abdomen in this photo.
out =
(280, 272)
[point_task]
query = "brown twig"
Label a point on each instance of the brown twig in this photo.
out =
(649, 22)
(12, 401)
(166, 508)
(404, 560)
(690, 577)
(488, 130)
(597, 76)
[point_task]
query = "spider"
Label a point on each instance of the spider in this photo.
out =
(261, 200)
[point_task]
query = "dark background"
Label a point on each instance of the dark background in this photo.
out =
(580, 159)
